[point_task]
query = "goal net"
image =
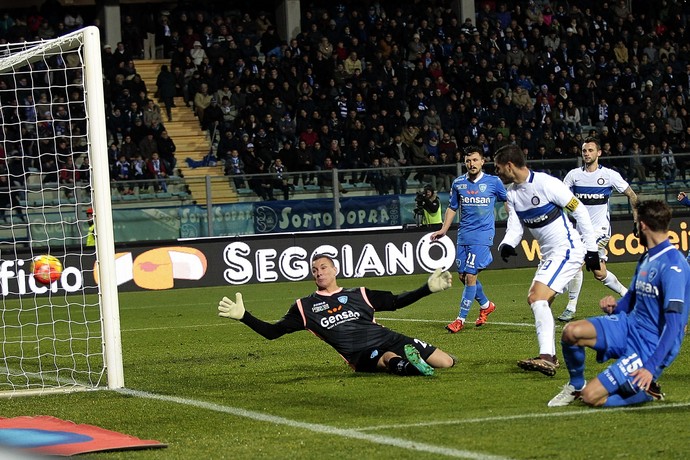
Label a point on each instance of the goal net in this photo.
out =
(54, 190)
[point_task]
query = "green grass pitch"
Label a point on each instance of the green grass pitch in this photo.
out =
(212, 388)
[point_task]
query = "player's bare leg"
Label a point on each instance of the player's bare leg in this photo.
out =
(441, 360)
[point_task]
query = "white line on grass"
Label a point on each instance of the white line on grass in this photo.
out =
(317, 428)
(506, 418)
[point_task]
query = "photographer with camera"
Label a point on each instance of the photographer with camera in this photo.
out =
(427, 209)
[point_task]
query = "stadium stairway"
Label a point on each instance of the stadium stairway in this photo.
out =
(191, 142)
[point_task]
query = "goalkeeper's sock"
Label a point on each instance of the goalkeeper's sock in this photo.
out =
(574, 288)
(466, 302)
(400, 366)
(574, 356)
(612, 283)
(546, 327)
(480, 297)
(616, 400)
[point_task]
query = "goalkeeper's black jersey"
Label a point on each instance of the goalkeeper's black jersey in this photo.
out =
(343, 319)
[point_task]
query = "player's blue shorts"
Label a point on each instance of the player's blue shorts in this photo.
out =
(613, 342)
(473, 258)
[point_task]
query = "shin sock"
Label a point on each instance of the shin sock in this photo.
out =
(546, 332)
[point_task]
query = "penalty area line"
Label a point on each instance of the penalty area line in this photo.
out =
(315, 427)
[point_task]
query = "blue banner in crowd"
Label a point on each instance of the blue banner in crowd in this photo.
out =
(173, 222)
(310, 215)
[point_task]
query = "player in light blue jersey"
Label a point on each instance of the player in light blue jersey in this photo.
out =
(539, 202)
(474, 194)
(643, 331)
(593, 184)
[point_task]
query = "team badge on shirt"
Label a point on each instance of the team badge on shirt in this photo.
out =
(342, 299)
(652, 274)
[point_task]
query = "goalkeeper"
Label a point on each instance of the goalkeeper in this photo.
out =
(344, 318)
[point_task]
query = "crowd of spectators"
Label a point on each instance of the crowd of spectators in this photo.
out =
(391, 85)
(396, 85)
(44, 126)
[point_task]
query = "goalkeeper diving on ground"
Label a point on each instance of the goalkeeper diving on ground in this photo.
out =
(344, 318)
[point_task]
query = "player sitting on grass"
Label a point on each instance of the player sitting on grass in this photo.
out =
(344, 318)
(643, 331)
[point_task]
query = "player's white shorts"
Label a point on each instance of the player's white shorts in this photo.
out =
(559, 268)
(602, 242)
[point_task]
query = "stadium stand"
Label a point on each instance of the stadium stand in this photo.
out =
(538, 74)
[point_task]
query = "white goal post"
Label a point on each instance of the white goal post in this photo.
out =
(53, 168)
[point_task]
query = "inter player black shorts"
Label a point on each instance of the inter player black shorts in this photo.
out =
(367, 360)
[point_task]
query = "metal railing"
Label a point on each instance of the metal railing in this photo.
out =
(219, 198)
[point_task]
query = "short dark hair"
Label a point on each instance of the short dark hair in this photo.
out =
(592, 140)
(469, 150)
(510, 153)
(656, 214)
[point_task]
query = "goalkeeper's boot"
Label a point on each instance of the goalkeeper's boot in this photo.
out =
(546, 366)
(484, 314)
(654, 391)
(412, 355)
(455, 326)
(567, 395)
(567, 316)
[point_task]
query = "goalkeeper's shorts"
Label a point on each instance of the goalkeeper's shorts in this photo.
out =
(367, 360)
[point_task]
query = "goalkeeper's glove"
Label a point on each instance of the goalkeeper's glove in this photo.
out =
(636, 231)
(507, 251)
(439, 281)
(229, 309)
(592, 261)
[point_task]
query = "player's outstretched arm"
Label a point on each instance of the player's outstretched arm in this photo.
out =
(227, 308)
